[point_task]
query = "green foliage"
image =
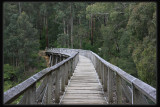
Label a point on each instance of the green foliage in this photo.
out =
(43, 39)
(145, 58)
(141, 15)
(9, 75)
(87, 46)
(125, 39)
(9, 72)
(126, 36)
(142, 42)
(63, 40)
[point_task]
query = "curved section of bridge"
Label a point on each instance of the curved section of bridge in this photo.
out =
(78, 76)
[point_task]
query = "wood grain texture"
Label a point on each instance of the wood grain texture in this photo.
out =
(84, 86)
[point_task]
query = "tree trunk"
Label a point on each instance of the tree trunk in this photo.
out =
(67, 31)
(71, 23)
(46, 33)
(64, 26)
(19, 4)
(94, 24)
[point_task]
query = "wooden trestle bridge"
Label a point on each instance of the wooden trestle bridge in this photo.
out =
(78, 76)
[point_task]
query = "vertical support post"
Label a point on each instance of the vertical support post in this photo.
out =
(96, 65)
(110, 86)
(73, 63)
(105, 78)
(69, 69)
(60, 58)
(137, 96)
(102, 73)
(63, 78)
(133, 96)
(31, 95)
(50, 60)
(49, 90)
(57, 88)
(66, 73)
(53, 60)
(99, 70)
(56, 57)
(118, 89)
(75, 60)
(94, 60)
(78, 58)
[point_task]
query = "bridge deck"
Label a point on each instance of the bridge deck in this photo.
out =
(84, 86)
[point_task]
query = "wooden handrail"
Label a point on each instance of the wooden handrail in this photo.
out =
(135, 83)
(13, 93)
(109, 75)
(143, 87)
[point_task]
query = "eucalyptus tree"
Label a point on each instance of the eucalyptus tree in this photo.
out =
(142, 26)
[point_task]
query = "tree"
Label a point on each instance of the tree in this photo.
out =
(143, 43)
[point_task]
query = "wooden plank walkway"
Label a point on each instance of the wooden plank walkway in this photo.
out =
(84, 86)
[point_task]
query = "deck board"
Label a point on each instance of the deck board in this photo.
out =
(84, 86)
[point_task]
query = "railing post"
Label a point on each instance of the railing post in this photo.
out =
(60, 57)
(50, 57)
(137, 97)
(57, 88)
(105, 78)
(63, 78)
(99, 70)
(110, 86)
(102, 73)
(73, 64)
(96, 67)
(94, 60)
(118, 89)
(49, 90)
(69, 69)
(31, 95)
(51, 61)
(66, 73)
(56, 59)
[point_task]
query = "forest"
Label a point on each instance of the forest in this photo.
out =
(122, 33)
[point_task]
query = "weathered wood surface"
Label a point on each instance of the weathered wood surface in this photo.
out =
(84, 83)
(13, 93)
(84, 86)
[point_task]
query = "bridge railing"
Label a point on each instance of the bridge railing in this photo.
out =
(53, 80)
(117, 83)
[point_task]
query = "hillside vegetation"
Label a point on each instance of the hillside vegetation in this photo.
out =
(122, 33)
